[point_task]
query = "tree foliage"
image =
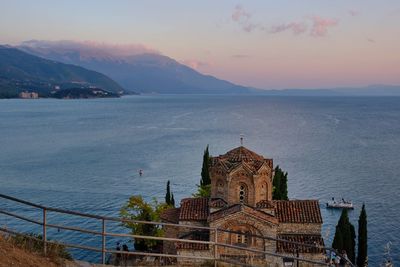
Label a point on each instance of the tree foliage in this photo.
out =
(205, 174)
(345, 236)
(362, 255)
(138, 209)
(168, 194)
(279, 183)
(204, 189)
(172, 200)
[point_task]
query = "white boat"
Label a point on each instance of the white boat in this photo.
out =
(343, 204)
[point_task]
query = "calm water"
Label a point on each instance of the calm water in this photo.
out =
(85, 154)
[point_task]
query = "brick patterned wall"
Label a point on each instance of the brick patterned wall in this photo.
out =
(192, 253)
(299, 228)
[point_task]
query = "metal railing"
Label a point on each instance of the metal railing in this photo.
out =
(104, 234)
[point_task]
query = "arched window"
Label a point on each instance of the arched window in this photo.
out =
(243, 193)
(244, 238)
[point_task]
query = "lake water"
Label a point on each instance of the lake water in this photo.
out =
(85, 155)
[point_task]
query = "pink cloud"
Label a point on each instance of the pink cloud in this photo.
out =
(92, 48)
(316, 26)
(242, 17)
(295, 27)
(353, 13)
(195, 64)
(321, 25)
(370, 40)
(241, 56)
(240, 14)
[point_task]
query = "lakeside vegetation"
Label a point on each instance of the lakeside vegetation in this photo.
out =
(344, 240)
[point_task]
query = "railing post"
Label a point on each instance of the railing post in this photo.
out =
(215, 247)
(44, 236)
(103, 242)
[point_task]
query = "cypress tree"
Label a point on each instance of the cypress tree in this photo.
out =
(173, 200)
(279, 185)
(276, 184)
(338, 239)
(345, 236)
(205, 175)
(362, 255)
(283, 186)
(168, 195)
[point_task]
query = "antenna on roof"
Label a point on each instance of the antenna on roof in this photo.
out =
(241, 139)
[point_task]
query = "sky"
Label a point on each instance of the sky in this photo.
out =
(265, 44)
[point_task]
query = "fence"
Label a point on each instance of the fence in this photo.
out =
(104, 234)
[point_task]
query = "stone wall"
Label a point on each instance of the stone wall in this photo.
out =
(169, 246)
(299, 228)
(308, 256)
(193, 253)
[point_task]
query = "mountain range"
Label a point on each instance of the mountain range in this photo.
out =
(45, 64)
(20, 71)
(143, 71)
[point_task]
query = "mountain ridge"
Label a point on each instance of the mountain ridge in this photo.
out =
(145, 72)
(20, 71)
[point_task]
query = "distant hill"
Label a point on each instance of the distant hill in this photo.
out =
(145, 72)
(78, 93)
(20, 71)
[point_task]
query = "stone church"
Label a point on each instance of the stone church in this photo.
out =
(241, 203)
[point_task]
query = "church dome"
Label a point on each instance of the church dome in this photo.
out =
(241, 154)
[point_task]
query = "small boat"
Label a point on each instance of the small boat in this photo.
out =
(343, 204)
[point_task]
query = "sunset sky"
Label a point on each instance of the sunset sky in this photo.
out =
(265, 44)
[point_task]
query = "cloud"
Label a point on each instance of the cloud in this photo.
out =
(242, 17)
(240, 56)
(240, 14)
(371, 40)
(195, 64)
(321, 25)
(91, 48)
(353, 13)
(316, 26)
(295, 27)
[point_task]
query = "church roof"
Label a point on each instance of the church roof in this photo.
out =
(194, 209)
(241, 155)
(202, 235)
(298, 211)
(171, 215)
(250, 211)
(218, 203)
(265, 204)
(316, 240)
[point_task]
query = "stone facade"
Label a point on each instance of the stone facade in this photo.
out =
(242, 209)
(241, 176)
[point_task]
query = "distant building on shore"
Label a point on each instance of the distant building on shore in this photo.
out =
(241, 203)
(28, 95)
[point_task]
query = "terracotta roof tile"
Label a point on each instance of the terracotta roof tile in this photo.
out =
(298, 211)
(194, 209)
(265, 204)
(194, 235)
(218, 203)
(316, 240)
(192, 246)
(171, 215)
(250, 211)
(238, 156)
